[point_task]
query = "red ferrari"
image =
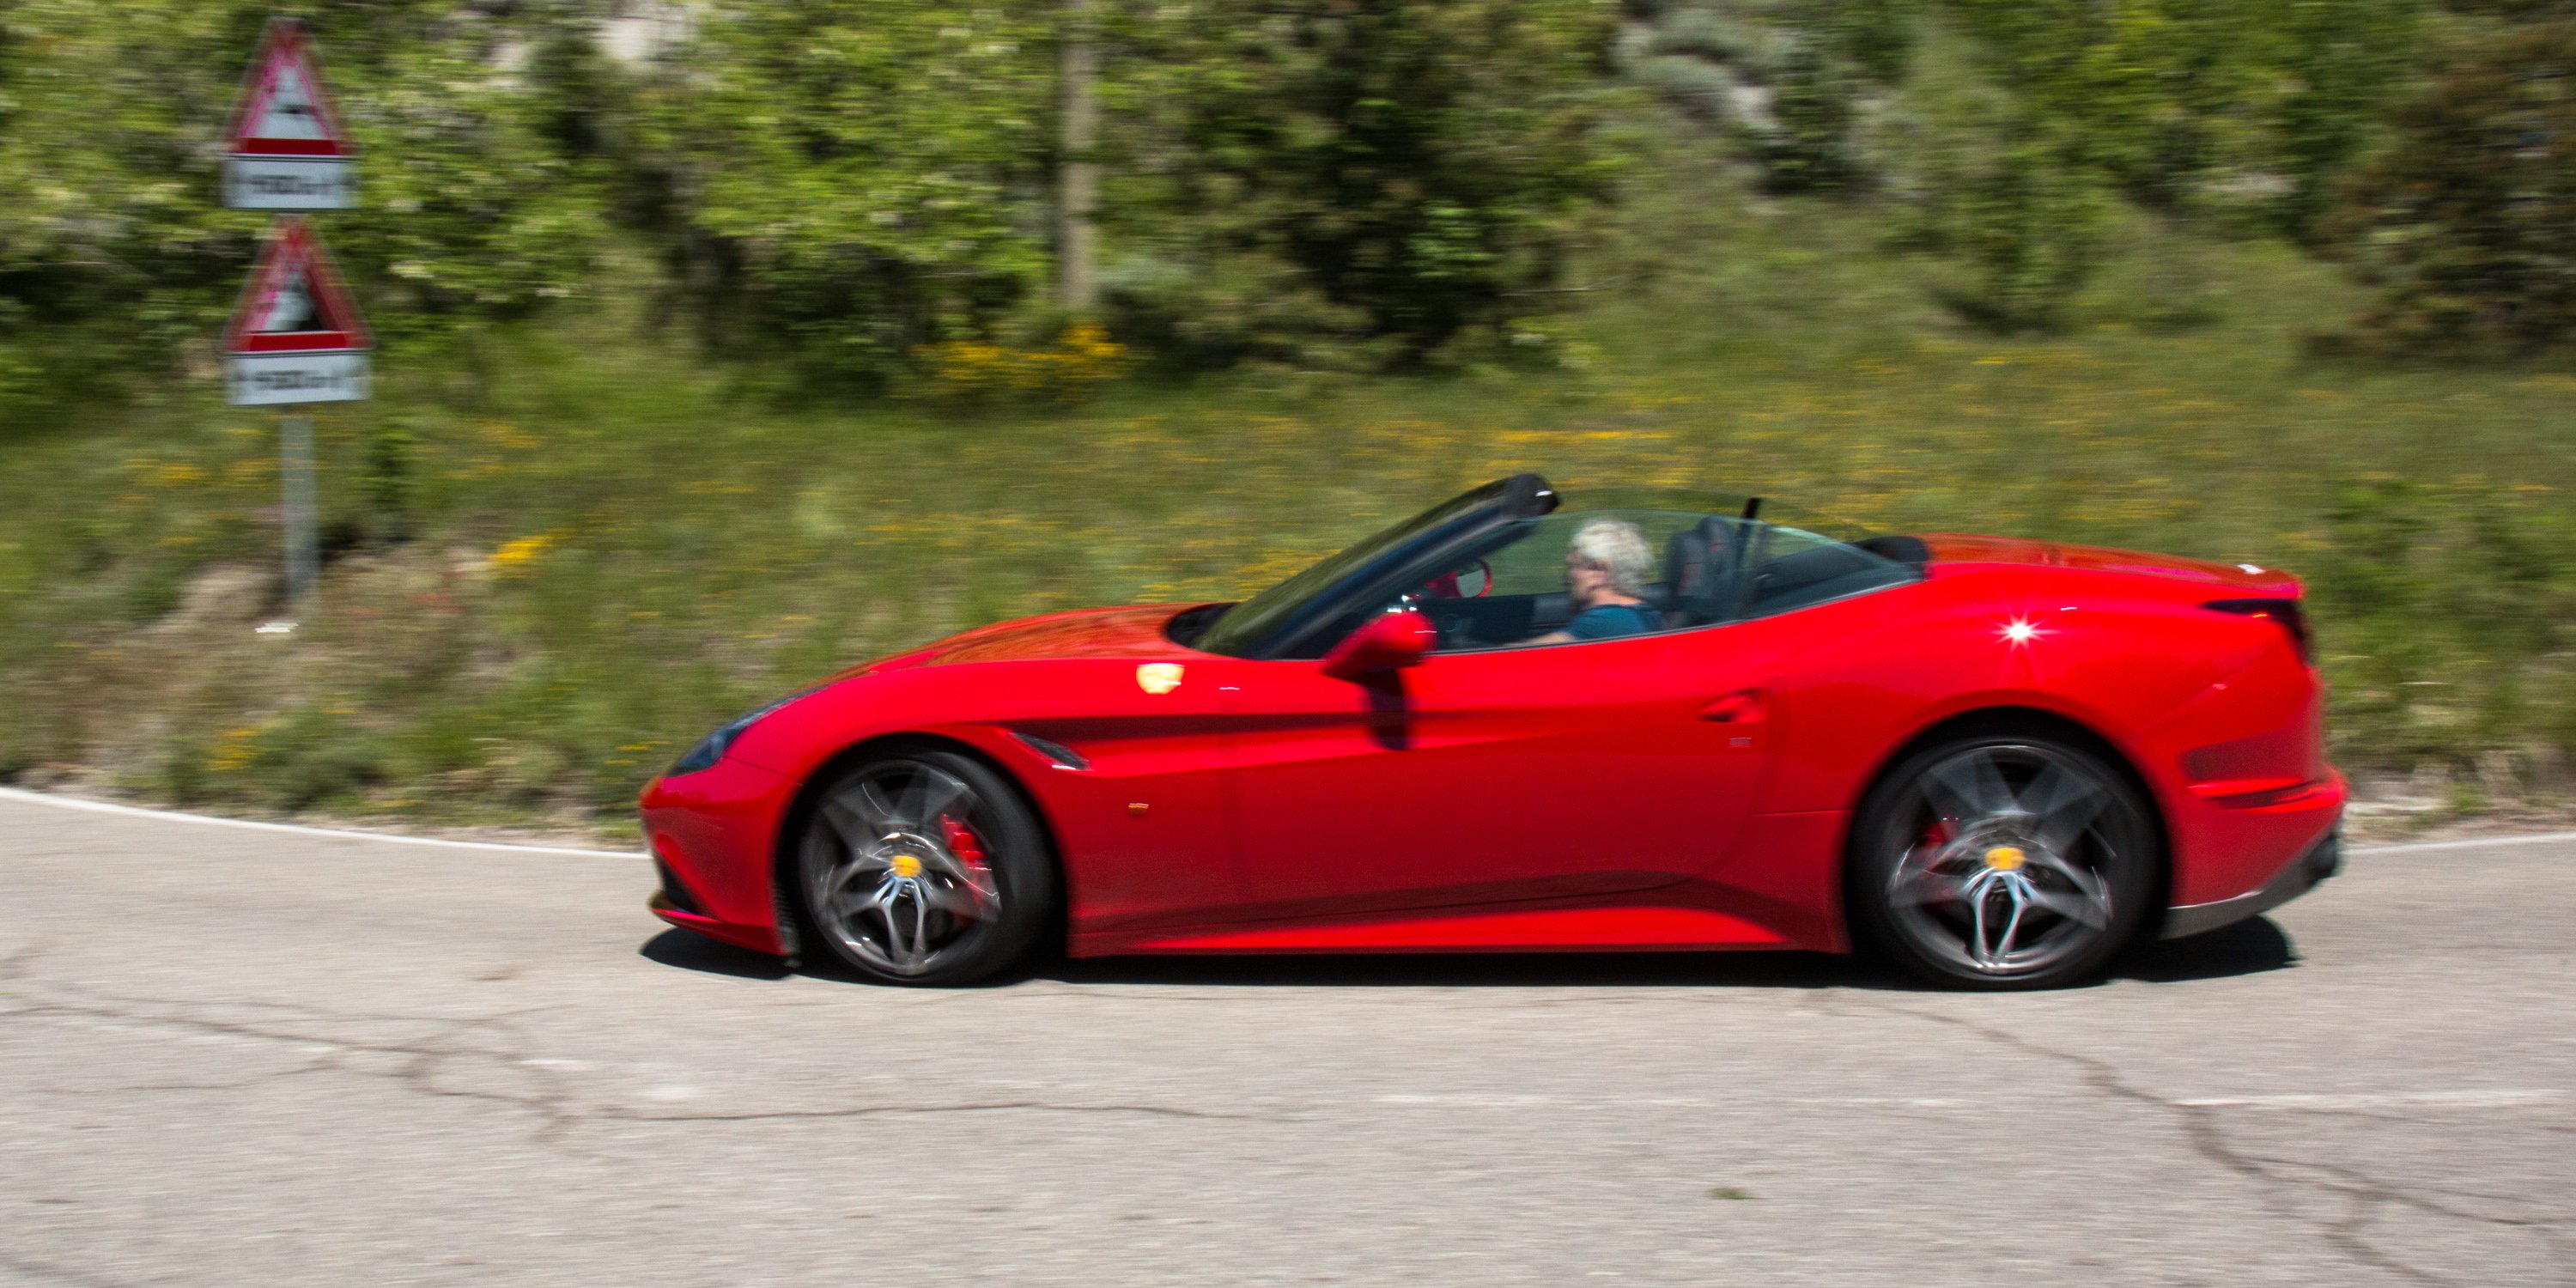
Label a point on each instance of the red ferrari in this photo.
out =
(1516, 723)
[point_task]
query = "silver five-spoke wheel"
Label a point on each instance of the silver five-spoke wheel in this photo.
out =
(2002, 863)
(909, 869)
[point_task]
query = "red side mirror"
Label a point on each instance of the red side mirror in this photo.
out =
(1390, 641)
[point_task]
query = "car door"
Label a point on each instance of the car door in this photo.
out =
(1518, 773)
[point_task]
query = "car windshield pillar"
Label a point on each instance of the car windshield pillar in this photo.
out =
(1279, 621)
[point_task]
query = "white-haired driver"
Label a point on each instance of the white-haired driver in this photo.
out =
(1606, 569)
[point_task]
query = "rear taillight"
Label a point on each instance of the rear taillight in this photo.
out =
(2285, 611)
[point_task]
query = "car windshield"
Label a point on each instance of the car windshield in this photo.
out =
(1248, 622)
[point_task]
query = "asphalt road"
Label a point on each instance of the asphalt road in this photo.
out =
(238, 1057)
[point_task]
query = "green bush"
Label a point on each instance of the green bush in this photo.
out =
(1808, 147)
(1717, 37)
(1696, 86)
(852, 180)
(1413, 169)
(2467, 224)
(2165, 97)
(2025, 223)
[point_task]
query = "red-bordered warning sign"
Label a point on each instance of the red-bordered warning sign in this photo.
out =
(296, 336)
(289, 151)
(285, 109)
(294, 301)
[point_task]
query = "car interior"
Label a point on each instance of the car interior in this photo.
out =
(1713, 570)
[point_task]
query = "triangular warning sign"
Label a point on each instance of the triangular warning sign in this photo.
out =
(285, 109)
(294, 302)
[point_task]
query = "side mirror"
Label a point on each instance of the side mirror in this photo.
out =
(1389, 642)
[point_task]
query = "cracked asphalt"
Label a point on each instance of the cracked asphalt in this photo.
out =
(239, 1057)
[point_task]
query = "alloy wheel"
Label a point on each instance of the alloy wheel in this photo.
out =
(897, 870)
(2011, 862)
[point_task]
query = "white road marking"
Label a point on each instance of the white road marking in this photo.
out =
(136, 811)
(2470, 1099)
(2478, 1098)
(2470, 843)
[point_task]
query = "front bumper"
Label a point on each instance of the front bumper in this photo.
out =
(711, 834)
(2322, 860)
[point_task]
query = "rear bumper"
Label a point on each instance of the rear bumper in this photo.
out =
(2301, 875)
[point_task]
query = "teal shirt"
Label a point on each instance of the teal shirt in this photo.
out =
(1612, 621)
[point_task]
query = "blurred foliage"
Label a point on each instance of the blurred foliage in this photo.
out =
(2036, 117)
(2177, 105)
(1080, 361)
(858, 178)
(1317, 182)
(1348, 182)
(2342, 63)
(2467, 223)
(1843, 54)
(1354, 184)
(112, 238)
(2030, 224)
(851, 183)
(1795, 78)
(613, 552)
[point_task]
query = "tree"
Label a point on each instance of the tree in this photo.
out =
(1077, 197)
(2163, 102)
(2468, 222)
(2342, 62)
(856, 178)
(1366, 169)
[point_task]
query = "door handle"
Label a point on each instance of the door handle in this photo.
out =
(1741, 707)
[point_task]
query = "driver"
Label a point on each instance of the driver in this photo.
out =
(1606, 568)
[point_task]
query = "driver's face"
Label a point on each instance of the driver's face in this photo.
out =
(1583, 578)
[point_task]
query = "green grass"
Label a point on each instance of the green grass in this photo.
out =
(616, 545)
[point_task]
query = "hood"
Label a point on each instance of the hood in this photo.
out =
(1951, 550)
(1136, 632)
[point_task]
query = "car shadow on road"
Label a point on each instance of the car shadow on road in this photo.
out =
(2249, 947)
(690, 950)
(2246, 948)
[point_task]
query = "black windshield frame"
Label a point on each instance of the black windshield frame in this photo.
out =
(1278, 621)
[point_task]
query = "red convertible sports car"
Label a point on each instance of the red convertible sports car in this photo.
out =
(1516, 722)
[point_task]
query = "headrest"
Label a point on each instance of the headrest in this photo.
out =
(1699, 564)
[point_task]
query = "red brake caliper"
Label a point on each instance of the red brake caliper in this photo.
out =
(969, 849)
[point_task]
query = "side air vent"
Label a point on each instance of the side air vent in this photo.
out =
(1061, 756)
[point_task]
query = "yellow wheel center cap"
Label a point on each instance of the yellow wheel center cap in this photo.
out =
(2004, 858)
(907, 866)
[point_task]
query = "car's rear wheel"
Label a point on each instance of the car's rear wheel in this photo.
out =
(2002, 862)
(924, 868)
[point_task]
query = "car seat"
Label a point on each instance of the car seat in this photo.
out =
(1699, 566)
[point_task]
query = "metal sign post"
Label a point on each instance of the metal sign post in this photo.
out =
(296, 337)
(295, 468)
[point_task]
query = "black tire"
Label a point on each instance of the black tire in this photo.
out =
(2001, 861)
(889, 889)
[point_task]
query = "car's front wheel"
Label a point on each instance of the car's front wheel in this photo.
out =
(924, 868)
(2002, 862)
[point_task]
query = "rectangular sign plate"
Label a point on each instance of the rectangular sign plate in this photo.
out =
(272, 379)
(290, 183)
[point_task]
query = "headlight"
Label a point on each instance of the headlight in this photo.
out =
(711, 748)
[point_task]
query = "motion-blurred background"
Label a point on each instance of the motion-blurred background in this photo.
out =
(726, 343)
